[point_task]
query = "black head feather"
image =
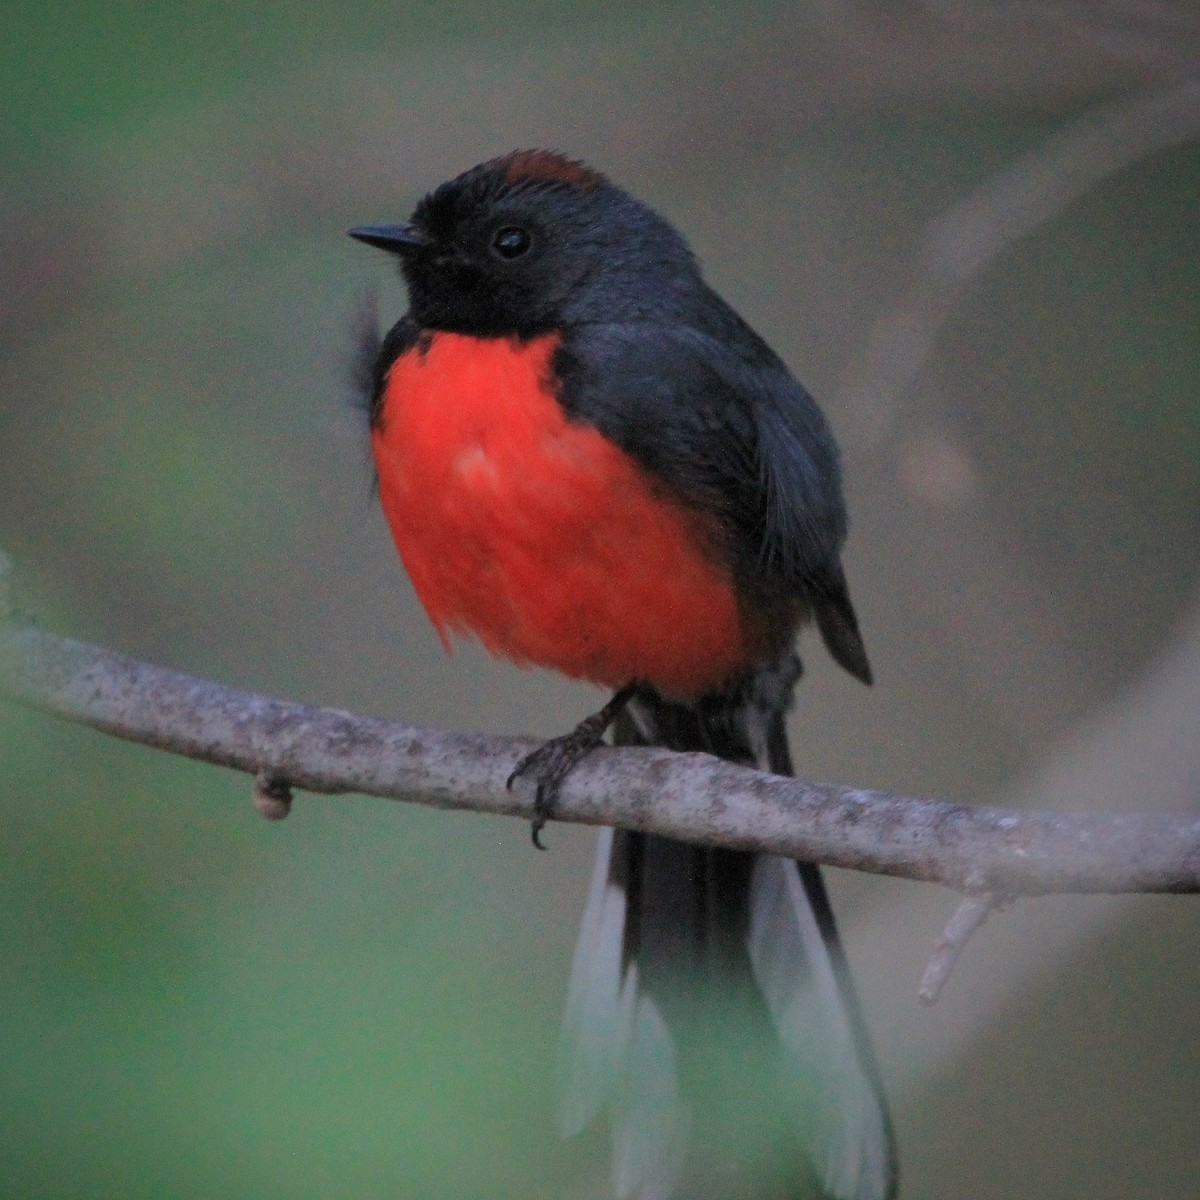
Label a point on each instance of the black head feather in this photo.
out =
(534, 241)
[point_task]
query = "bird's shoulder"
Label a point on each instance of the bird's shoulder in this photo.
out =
(710, 410)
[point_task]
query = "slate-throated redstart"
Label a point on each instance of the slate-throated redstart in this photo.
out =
(590, 462)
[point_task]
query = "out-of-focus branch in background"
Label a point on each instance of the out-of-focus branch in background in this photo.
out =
(960, 244)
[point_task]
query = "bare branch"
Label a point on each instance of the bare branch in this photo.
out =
(693, 797)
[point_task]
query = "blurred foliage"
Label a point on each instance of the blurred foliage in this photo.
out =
(71, 68)
(191, 1008)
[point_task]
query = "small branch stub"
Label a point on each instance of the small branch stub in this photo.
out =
(967, 918)
(272, 797)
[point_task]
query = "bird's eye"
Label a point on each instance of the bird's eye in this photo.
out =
(510, 242)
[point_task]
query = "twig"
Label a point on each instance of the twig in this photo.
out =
(967, 918)
(689, 796)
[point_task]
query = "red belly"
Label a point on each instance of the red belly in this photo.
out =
(540, 536)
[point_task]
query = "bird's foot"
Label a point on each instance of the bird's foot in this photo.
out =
(554, 760)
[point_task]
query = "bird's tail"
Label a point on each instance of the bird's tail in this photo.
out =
(710, 1013)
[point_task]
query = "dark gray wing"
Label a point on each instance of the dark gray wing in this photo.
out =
(724, 425)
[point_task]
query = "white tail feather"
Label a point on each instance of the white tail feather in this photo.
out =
(650, 1123)
(617, 1052)
(592, 1025)
(845, 1130)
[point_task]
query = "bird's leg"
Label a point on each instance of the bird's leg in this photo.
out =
(554, 760)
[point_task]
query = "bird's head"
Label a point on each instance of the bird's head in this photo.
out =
(527, 243)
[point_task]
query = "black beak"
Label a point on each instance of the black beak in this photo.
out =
(396, 239)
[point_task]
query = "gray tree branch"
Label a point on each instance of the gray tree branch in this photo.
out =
(977, 850)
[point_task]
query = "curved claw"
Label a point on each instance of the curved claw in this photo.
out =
(543, 797)
(554, 760)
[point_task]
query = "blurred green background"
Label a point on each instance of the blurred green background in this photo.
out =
(364, 1000)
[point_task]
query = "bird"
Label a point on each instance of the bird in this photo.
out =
(589, 462)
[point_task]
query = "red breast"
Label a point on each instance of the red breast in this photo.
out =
(540, 536)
